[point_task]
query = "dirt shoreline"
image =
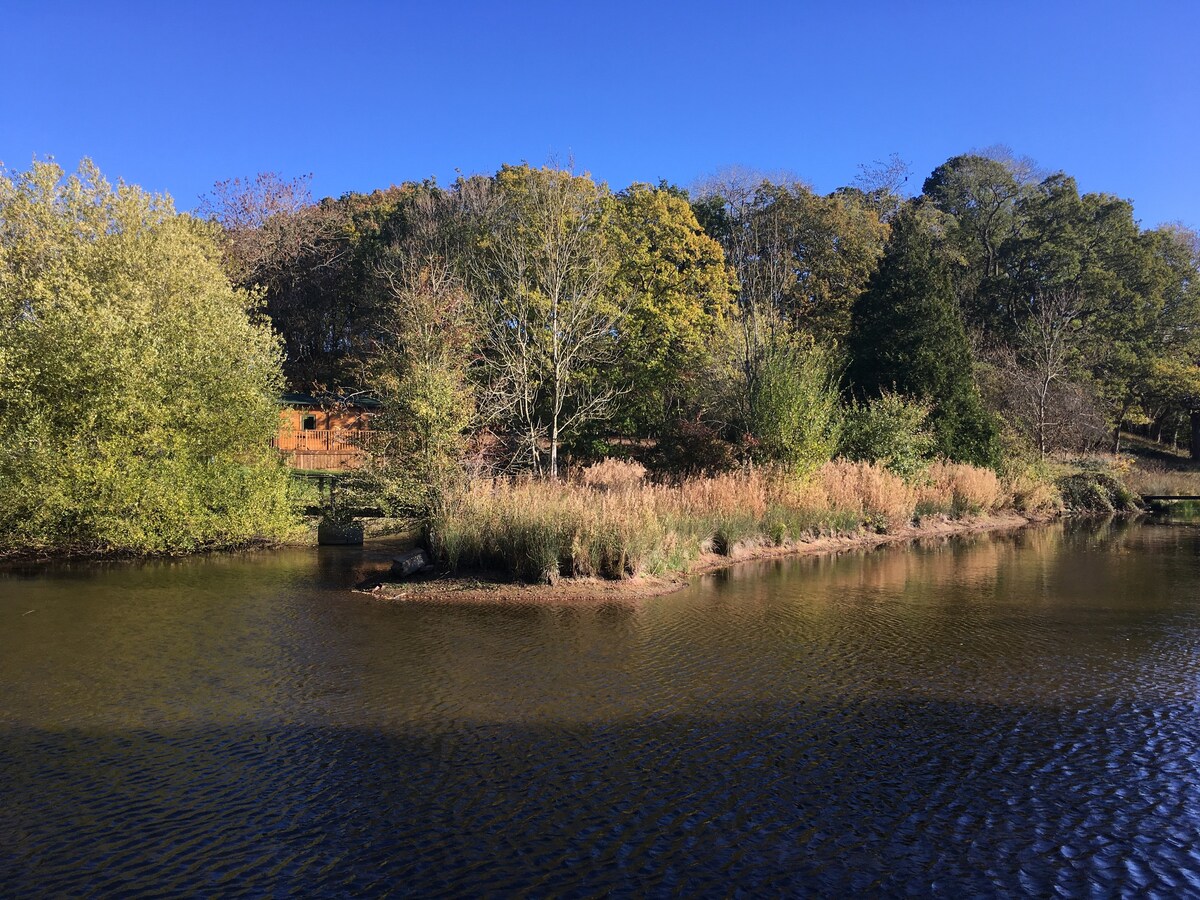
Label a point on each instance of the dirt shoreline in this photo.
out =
(587, 591)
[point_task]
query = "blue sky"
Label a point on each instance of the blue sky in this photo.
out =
(176, 95)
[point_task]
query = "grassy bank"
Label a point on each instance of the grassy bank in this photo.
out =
(611, 522)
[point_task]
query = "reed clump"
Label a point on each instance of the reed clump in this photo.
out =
(610, 522)
(958, 490)
(613, 474)
(1033, 493)
(1156, 480)
(882, 499)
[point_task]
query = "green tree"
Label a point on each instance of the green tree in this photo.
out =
(1084, 292)
(981, 195)
(836, 243)
(679, 292)
(792, 413)
(138, 388)
(908, 336)
(803, 255)
(419, 372)
(543, 276)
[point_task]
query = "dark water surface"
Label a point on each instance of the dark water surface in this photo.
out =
(994, 715)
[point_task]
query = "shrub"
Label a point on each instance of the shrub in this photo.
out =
(794, 417)
(692, 447)
(1032, 492)
(1096, 492)
(890, 429)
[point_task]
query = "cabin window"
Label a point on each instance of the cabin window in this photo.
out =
(310, 423)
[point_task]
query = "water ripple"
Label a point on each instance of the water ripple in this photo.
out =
(977, 718)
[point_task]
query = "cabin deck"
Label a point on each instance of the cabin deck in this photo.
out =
(323, 448)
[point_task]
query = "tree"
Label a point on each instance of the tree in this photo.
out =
(419, 372)
(138, 388)
(1035, 380)
(1082, 298)
(883, 185)
(978, 197)
(299, 254)
(908, 336)
(680, 294)
(803, 255)
(267, 223)
(980, 193)
(836, 246)
(1162, 378)
(543, 274)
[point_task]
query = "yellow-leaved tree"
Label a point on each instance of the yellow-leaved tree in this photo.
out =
(138, 387)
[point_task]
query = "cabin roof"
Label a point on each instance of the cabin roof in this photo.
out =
(322, 401)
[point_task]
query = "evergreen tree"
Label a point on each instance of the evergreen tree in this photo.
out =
(908, 336)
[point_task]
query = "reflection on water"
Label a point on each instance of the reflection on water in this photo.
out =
(990, 714)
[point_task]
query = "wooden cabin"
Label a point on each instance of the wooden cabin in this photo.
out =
(324, 433)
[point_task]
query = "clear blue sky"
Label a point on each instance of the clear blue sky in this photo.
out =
(176, 95)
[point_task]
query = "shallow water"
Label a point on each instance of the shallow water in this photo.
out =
(994, 714)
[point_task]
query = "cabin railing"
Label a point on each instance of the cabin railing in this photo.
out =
(324, 448)
(323, 439)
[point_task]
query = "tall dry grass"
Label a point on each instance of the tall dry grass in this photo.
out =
(1163, 482)
(881, 498)
(957, 490)
(609, 522)
(1033, 493)
(613, 474)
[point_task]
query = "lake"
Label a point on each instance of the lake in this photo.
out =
(989, 714)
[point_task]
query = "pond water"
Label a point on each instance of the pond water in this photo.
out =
(994, 714)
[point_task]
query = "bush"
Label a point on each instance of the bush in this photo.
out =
(892, 430)
(692, 447)
(794, 417)
(1096, 492)
(1032, 492)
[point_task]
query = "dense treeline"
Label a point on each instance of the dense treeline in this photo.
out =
(516, 319)
(535, 320)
